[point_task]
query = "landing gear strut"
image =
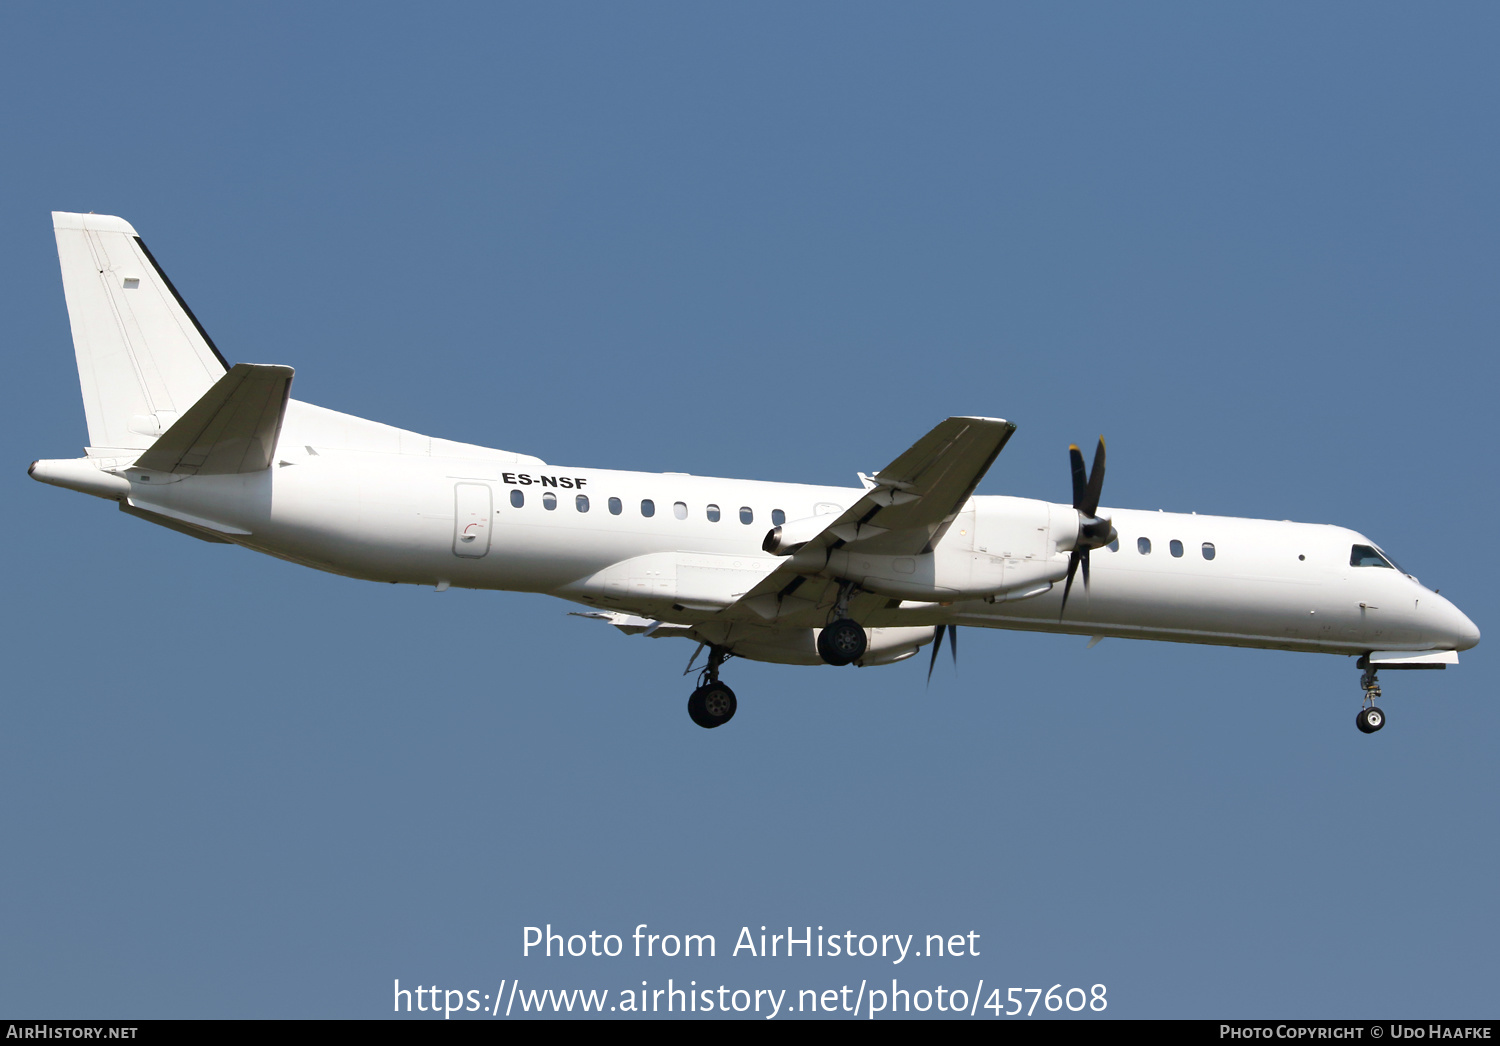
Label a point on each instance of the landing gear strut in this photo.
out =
(842, 641)
(1370, 718)
(712, 704)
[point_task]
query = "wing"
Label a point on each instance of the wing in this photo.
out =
(906, 511)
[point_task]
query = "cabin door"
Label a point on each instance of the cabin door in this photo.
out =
(472, 513)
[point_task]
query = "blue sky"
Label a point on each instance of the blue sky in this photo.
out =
(1254, 247)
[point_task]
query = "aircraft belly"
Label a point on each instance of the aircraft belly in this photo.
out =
(661, 582)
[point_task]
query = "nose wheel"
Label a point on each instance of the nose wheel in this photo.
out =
(1370, 718)
(713, 703)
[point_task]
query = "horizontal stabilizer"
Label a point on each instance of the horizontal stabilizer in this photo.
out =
(630, 624)
(233, 428)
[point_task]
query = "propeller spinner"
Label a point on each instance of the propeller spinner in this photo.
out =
(1093, 532)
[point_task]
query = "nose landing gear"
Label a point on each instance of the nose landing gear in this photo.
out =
(712, 704)
(1370, 718)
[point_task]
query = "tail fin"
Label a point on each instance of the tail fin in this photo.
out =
(143, 358)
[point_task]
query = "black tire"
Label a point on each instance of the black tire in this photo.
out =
(842, 643)
(712, 705)
(1369, 720)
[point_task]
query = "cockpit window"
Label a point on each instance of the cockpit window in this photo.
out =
(1367, 556)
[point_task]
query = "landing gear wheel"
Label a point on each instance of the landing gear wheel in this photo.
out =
(842, 643)
(711, 705)
(1369, 720)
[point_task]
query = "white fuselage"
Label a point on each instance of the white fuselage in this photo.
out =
(433, 513)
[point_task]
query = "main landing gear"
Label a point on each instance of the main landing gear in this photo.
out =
(842, 641)
(1370, 718)
(712, 704)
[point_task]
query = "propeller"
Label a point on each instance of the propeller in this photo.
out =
(1093, 532)
(937, 646)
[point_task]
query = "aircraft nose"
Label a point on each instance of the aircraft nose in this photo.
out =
(1462, 632)
(1468, 633)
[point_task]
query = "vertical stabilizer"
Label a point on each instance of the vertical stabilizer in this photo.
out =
(143, 358)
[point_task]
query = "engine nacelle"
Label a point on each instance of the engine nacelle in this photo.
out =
(789, 537)
(798, 646)
(998, 547)
(889, 645)
(944, 575)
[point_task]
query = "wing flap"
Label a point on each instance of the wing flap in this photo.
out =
(232, 428)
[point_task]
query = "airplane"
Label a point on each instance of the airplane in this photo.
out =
(781, 572)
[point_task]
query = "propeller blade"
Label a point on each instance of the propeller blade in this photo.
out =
(953, 645)
(1095, 485)
(937, 646)
(689, 668)
(1072, 569)
(1092, 531)
(1080, 477)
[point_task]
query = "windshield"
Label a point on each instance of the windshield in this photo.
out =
(1370, 556)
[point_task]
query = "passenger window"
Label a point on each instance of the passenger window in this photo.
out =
(1365, 556)
(713, 513)
(1143, 546)
(1114, 546)
(648, 507)
(1176, 547)
(1208, 550)
(582, 501)
(549, 501)
(746, 516)
(778, 517)
(615, 507)
(679, 509)
(517, 499)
